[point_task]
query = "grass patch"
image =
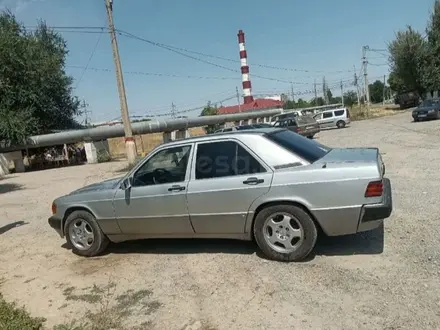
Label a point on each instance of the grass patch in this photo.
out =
(361, 113)
(107, 310)
(13, 317)
(110, 310)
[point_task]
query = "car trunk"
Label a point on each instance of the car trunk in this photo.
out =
(355, 155)
(307, 125)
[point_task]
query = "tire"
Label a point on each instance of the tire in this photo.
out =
(310, 137)
(416, 120)
(340, 124)
(300, 218)
(88, 224)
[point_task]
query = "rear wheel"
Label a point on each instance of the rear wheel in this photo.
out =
(84, 235)
(285, 232)
(340, 124)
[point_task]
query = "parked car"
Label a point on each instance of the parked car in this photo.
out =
(333, 118)
(270, 185)
(303, 125)
(243, 127)
(429, 109)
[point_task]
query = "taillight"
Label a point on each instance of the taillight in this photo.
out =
(374, 189)
(54, 208)
(298, 129)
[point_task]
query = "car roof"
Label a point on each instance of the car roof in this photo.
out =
(207, 137)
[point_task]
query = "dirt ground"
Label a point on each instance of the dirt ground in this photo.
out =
(385, 279)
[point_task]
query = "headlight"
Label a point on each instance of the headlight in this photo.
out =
(431, 111)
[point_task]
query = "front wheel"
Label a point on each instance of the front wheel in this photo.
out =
(340, 124)
(84, 235)
(285, 232)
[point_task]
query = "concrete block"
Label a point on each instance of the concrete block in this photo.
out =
(93, 149)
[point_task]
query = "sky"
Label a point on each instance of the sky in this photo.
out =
(307, 40)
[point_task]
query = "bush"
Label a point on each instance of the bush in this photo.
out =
(17, 318)
(104, 156)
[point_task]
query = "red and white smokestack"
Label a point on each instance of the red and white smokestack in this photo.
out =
(247, 87)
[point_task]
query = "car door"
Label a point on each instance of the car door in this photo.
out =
(327, 119)
(319, 119)
(225, 179)
(156, 201)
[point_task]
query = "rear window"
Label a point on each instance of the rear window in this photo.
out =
(299, 145)
(305, 120)
(339, 112)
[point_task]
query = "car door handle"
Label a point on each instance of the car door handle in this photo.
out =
(176, 188)
(253, 181)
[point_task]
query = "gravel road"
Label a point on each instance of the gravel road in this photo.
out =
(385, 279)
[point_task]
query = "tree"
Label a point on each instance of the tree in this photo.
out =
(432, 61)
(376, 91)
(319, 101)
(350, 98)
(329, 96)
(210, 110)
(289, 105)
(35, 92)
(407, 58)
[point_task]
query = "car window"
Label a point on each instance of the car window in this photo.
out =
(227, 129)
(244, 127)
(166, 166)
(224, 158)
(318, 116)
(339, 112)
(308, 149)
(327, 114)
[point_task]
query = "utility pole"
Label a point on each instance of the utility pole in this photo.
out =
(130, 146)
(384, 88)
(238, 99)
(292, 92)
(364, 66)
(342, 93)
(356, 83)
(173, 110)
(316, 94)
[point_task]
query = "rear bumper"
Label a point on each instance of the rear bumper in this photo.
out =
(56, 222)
(372, 215)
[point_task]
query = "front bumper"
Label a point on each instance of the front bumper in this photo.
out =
(372, 215)
(56, 223)
(421, 116)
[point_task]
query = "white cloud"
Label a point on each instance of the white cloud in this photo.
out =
(16, 6)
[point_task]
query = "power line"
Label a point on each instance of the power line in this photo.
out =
(83, 29)
(130, 35)
(89, 60)
(155, 73)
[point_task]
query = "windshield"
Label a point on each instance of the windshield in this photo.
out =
(429, 103)
(306, 148)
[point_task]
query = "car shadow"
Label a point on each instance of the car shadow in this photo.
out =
(367, 243)
(9, 187)
(12, 225)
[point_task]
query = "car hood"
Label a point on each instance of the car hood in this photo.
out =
(103, 185)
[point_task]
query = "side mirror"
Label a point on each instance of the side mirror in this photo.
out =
(126, 183)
